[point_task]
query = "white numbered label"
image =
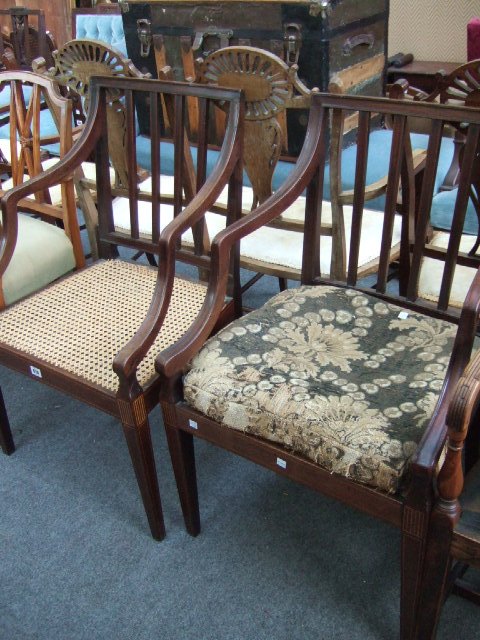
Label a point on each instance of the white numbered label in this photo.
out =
(35, 371)
(192, 424)
(282, 463)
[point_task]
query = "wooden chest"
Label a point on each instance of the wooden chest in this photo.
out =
(340, 40)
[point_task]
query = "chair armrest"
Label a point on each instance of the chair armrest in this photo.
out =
(401, 89)
(463, 405)
(430, 447)
(173, 360)
(126, 361)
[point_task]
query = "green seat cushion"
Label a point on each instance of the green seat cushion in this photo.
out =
(42, 254)
(339, 377)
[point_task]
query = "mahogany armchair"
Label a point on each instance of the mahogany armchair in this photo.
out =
(94, 334)
(343, 387)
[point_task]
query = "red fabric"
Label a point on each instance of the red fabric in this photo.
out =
(473, 39)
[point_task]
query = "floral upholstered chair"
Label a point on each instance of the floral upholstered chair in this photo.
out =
(342, 387)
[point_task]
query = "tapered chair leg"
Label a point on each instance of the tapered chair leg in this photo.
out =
(412, 557)
(182, 454)
(6, 438)
(435, 575)
(141, 452)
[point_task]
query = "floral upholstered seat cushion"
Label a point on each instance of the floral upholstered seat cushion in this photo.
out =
(335, 375)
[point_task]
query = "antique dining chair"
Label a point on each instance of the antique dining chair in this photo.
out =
(27, 38)
(37, 249)
(341, 387)
(460, 87)
(73, 66)
(272, 88)
(23, 39)
(94, 334)
(453, 544)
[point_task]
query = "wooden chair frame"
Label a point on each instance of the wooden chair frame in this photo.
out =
(408, 511)
(25, 40)
(453, 539)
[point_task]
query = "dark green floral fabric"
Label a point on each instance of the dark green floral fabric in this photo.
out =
(335, 375)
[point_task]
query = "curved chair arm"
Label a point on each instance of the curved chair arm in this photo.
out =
(128, 358)
(172, 360)
(429, 449)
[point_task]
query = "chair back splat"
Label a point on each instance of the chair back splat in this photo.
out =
(343, 386)
(94, 334)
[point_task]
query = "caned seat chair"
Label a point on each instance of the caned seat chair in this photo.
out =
(453, 544)
(35, 249)
(343, 387)
(94, 334)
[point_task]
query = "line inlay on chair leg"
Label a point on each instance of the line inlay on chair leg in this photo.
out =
(141, 452)
(6, 438)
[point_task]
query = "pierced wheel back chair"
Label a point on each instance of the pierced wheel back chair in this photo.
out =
(271, 88)
(94, 334)
(453, 544)
(341, 387)
(35, 250)
(73, 66)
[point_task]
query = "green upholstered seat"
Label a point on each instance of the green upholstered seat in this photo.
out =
(31, 269)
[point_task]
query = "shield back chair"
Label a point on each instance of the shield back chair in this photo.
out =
(453, 544)
(343, 387)
(36, 250)
(94, 334)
